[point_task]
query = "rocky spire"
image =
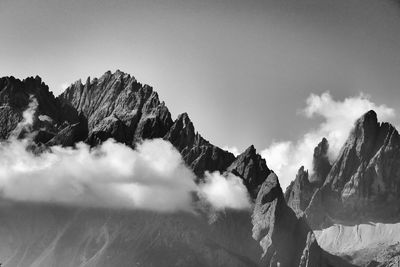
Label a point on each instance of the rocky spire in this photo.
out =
(252, 168)
(364, 181)
(300, 191)
(321, 164)
(197, 152)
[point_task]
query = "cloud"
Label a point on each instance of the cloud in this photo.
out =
(286, 157)
(112, 175)
(153, 176)
(27, 118)
(225, 191)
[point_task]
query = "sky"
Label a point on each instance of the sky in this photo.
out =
(244, 71)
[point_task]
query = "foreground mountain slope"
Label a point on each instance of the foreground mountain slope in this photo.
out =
(43, 235)
(117, 106)
(286, 240)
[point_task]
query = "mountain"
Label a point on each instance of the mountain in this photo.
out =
(286, 240)
(363, 184)
(117, 106)
(300, 191)
(353, 206)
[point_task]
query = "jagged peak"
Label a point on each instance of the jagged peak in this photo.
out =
(367, 120)
(322, 146)
(320, 164)
(271, 189)
(77, 83)
(371, 114)
(118, 74)
(250, 150)
(302, 176)
(302, 170)
(28, 81)
(184, 117)
(252, 168)
(368, 134)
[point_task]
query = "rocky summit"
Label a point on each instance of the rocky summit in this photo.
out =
(117, 106)
(300, 191)
(353, 203)
(363, 183)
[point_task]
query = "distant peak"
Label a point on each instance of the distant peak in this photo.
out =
(117, 73)
(369, 116)
(321, 164)
(321, 150)
(301, 169)
(366, 125)
(250, 150)
(183, 117)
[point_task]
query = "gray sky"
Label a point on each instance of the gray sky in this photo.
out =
(241, 69)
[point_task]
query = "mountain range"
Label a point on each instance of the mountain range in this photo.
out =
(341, 204)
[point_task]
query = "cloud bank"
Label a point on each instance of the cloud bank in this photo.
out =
(111, 175)
(225, 191)
(153, 176)
(286, 157)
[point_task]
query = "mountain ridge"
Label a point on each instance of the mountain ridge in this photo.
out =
(357, 194)
(117, 106)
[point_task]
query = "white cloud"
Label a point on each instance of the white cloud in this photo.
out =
(112, 175)
(286, 157)
(225, 191)
(27, 118)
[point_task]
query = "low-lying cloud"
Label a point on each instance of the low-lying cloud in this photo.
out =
(111, 175)
(225, 191)
(286, 157)
(153, 176)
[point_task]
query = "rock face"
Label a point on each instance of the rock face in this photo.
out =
(299, 193)
(252, 168)
(117, 106)
(113, 106)
(286, 240)
(197, 152)
(364, 182)
(321, 164)
(15, 97)
(359, 195)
